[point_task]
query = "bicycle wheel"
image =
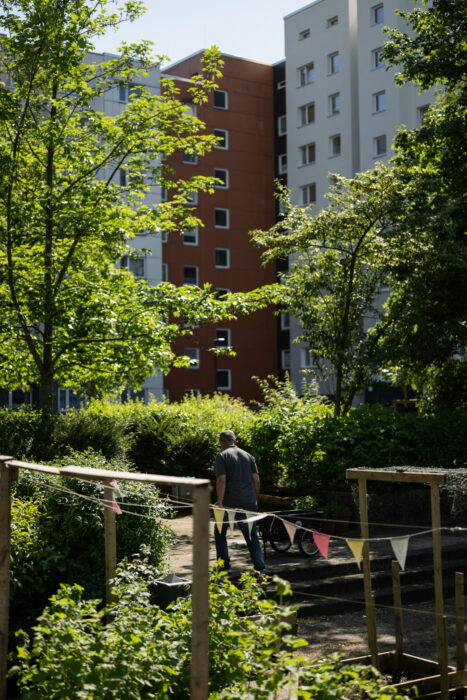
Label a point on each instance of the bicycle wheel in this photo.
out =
(278, 537)
(307, 544)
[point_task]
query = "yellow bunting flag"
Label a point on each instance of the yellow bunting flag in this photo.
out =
(322, 542)
(356, 546)
(231, 516)
(399, 546)
(291, 529)
(219, 517)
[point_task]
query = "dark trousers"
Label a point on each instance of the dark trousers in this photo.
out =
(253, 543)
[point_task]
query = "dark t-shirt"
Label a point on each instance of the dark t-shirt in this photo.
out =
(238, 466)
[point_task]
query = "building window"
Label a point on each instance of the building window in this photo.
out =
(332, 21)
(223, 175)
(223, 338)
(165, 272)
(285, 322)
(223, 380)
(282, 164)
(307, 154)
(421, 114)
(222, 258)
(164, 236)
(304, 34)
(193, 354)
(379, 145)
(221, 292)
(190, 158)
(281, 85)
(379, 101)
(306, 360)
(133, 265)
(334, 104)
(377, 14)
(123, 93)
(190, 109)
(164, 194)
(223, 136)
(306, 114)
(285, 359)
(191, 198)
(308, 194)
(306, 74)
(282, 125)
(333, 63)
(190, 237)
(334, 145)
(221, 218)
(377, 58)
(190, 274)
(122, 177)
(192, 392)
(220, 99)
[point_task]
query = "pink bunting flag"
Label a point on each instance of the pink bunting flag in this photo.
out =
(291, 529)
(114, 505)
(322, 542)
(113, 484)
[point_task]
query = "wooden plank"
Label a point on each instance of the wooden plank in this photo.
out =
(5, 530)
(104, 474)
(110, 533)
(397, 601)
(399, 475)
(460, 633)
(438, 581)
(199, 679)
(369, 598)
(431, 684)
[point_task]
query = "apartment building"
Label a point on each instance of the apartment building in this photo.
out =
(343, 106)
(241, 114)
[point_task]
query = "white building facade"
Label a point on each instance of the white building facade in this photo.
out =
(343, 106)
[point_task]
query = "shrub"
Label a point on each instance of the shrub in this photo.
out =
(58, 531)
(145, 652)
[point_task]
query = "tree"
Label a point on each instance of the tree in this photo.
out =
(67, 313)
(341, 258)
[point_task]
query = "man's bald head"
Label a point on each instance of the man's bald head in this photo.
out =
(227, 437)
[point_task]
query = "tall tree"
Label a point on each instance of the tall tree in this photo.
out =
(67, 313)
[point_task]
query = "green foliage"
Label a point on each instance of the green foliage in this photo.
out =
(305, 503)
(145, 652)
(58, 536)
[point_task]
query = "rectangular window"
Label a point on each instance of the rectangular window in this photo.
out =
(421, 114)
(306, 360)
(223, 338)
(164, 236)
(333, 63)
(221, 218)
(379, 101)
(190, 274)
(377, 14)
(306, 114)
(306, 74)
(334, 104)
(223, 380)
(191, 392)
(304, 34)
(122, 177)
(220, 99)
(223, 175)
(308, 194)
(134, 265)
(223, 136)
(285, 322)
(377, 58)
(334, 145)
(165, 272)
(221, 292)
(164, 194)
(285, 359)
(123, 93)
(190, 158)
(191, 198)
(222, 258)
(307, 154)
(332, 21)
(190, 237)
(379, 145)
(281, 125)
(282, 163)
(193, 354)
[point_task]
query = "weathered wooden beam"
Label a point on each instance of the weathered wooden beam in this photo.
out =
(369, 597)
(6, 478)
(398, 475)
(397, 602)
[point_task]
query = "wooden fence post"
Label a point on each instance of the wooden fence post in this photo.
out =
(460, 634)
(369, 599)
(438, 581)
(397, 602)
(200, 595)
(110, 530)
(6, 478)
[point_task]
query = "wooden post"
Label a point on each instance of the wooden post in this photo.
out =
(110, 530)
(199, 678)
(6, 477)
(397, 602)
(369, 601)
(438, 581)
(460, 643)
(443, 664)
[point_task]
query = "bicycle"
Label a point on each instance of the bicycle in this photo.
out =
(278, 536)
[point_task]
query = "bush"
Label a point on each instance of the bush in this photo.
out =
(58, 532)
(145, 652)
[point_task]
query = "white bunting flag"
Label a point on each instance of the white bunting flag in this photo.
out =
(399, 547)
(231, 516)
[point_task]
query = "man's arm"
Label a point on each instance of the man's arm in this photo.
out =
(220, 488)
(256, 483)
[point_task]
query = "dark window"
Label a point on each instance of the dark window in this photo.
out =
(190, 274)
(220, 99)
(221, 218)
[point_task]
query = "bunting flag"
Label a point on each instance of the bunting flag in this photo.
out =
(399, 547)
(250, 519)
(231, 516)
(356, 547)
(116, 489)
(112, 504)
(291, 529)
(322, 542)
(219, 516)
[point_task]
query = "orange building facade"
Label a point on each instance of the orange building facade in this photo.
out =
(240, 112)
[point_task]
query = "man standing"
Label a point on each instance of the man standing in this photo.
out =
(237, 486)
